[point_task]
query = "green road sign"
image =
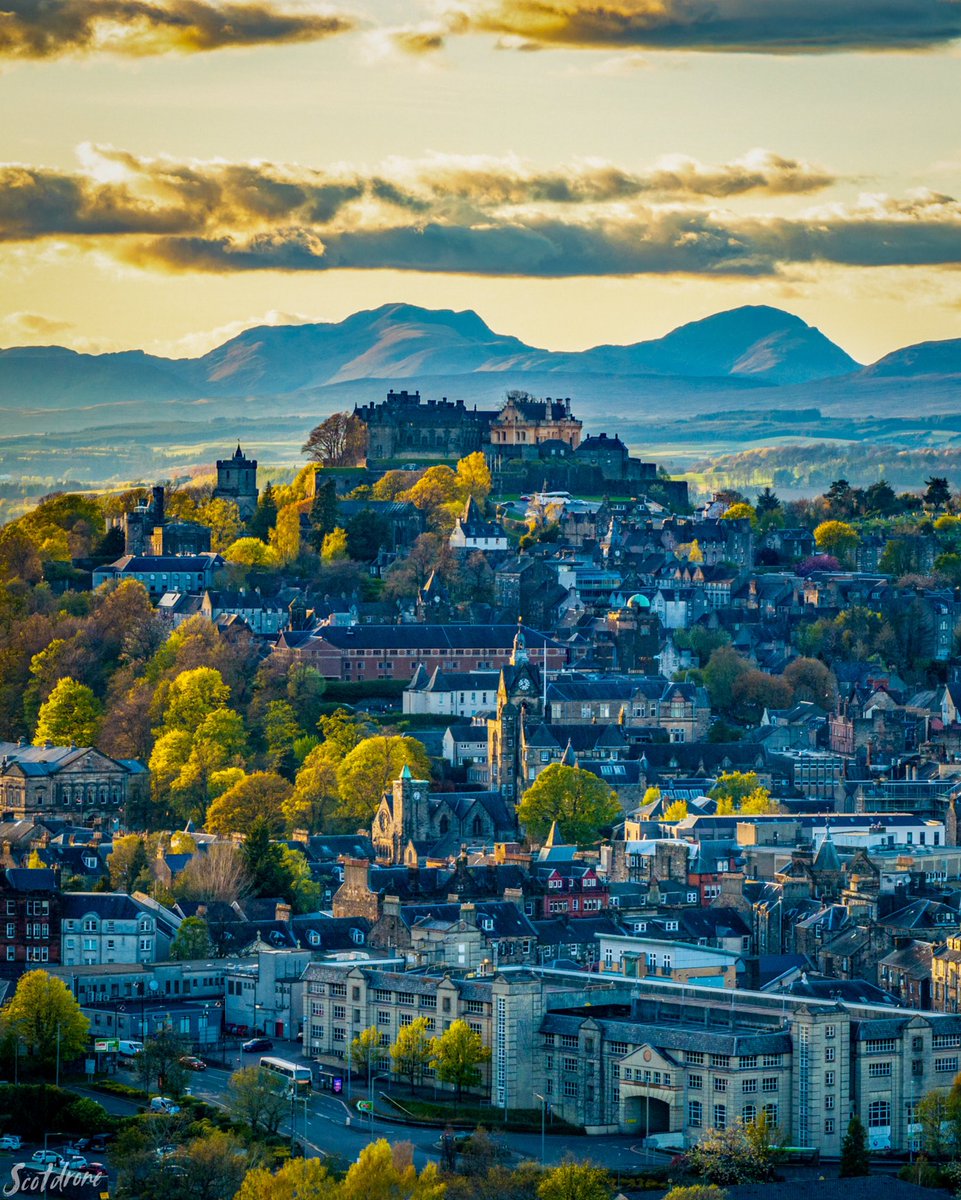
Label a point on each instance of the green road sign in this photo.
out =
(365, 1106)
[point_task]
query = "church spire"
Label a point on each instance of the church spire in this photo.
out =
(519, 652)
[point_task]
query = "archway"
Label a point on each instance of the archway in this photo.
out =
(643, 1115)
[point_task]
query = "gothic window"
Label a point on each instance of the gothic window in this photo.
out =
(477, 826)
(444, 825)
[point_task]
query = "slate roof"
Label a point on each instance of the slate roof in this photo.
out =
(428, 637)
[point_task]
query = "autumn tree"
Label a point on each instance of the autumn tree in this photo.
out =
(724, 667)
(222, 517)
(70, 716)
(740, 512)
(458, 1054)
(334, 548)
(369, 770)
(572, 1180)
(837, 538)
(387, 1172)
(411, 1052)
(365, 1050)
(219, 874)
(675, 812)
(339, 441)
(580, 803)
(285, 536)
(297, 1179)
(474, 478)
(128, 864)
(741, 1153)
(755, 691)
(46, 1019)
(809, 679)
(253, 553)
(259, 796)
(258, 1098)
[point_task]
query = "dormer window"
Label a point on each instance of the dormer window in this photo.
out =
(313, 937)
(487, 924)
(357, 936)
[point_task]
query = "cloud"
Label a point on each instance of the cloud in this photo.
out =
(476, 216)
(750, 26)
(42, 29)
(31, 329)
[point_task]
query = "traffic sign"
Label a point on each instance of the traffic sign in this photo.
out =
(366, 1106)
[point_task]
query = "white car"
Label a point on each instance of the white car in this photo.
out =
(10, 1141)
(76, 1162)
(163, 1104)
(43, 1158)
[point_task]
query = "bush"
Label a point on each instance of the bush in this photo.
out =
(115, 1088)
(33, 1109)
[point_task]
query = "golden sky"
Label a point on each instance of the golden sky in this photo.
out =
(576, 171)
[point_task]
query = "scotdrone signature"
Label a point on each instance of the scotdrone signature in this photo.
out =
(25, 1179)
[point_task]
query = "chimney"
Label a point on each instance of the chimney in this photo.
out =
(515, 896)
(282, 912)
(158, 504)
(468, 914)
(391, 906)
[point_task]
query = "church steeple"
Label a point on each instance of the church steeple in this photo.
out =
(519, 652)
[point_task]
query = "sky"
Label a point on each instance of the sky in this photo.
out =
(575, 171)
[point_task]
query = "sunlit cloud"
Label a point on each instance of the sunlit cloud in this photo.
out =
(45, 29)
(751, 26)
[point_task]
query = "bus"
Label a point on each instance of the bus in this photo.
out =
(299, 1077)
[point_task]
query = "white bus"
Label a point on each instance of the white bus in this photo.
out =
(299, 1077)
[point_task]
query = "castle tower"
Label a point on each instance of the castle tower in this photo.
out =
(237, 481)
(518, 700)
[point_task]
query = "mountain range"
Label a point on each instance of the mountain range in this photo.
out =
(753, 345)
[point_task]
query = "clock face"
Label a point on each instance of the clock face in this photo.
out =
(524, 685)
(417, 795)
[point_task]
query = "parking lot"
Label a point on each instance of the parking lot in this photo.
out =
(66, 1173)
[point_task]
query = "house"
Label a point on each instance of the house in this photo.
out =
(472, 532)
(30, 929)
(114, 927)
(160, 573)
(451, 693)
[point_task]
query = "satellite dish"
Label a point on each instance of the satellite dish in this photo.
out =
(153, 985)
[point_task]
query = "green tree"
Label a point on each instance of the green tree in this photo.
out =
(46, 1018)
(367, 533)
(932, 1114)
(70, 716)
(252, 552)
(573, 1180)
(937, 492)
(724, 668)
(257, 797)
(159, 1062)
(811, 680)
(458, 1054)
(265, 518)
(411, 1052)
(580, 803)
(323, 511)
(128, 864)
(365, 1050)
(369, 770)
(303, 891)
(281, 731)
(192, 696)
(854, 1151)
(258, 1098)
(264, 862)
(192, 939)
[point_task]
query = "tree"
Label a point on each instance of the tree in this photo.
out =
(836, 538)
(334, 548)
(257, 797)
(219, 874)
(264, 862)
(365, 1049)
(754, 691)
(192, 696)
(734, 787)
(742, 1153)
(386, 1172)
(854, 1151)
(369, 770)
(740, 512)
(159, 1061)
(47, 1019)
(880, 500)
(580, 803)
(810, 679)
(437, 486)
(214, 1166)
(474, 477)
(696, 1191)
(222, 518)
(258, 1098)
(574, 1180)
(675, 812)
(285, 536)
(932, 1114)
(457, 1056)
(723, 669)
(128, 864)
(411, 1051)
(254, 553)
(339, 441)
(937, 493)
(297, 1179)
(70, 716)
(367, 533)
(192, 940)
(281, 731)
(323, 511)
(265, 518)
(767, 502)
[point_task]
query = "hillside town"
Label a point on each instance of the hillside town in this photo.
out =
(478, 729)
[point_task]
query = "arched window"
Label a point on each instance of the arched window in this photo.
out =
(749, 1113)
(477, 826)
(444, 825)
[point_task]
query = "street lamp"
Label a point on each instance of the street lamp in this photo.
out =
(370, 1098)
(538, 1096)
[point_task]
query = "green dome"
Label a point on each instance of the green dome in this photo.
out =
(638, 601)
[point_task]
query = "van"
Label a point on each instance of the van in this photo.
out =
(163, 1104)
(129, 1049)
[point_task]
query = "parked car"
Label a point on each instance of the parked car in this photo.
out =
(96, 1141)
(43, 1158)
(259, 1043)
(163, 1104)
(76, 1162)
(10, 1141)
(192, 1063)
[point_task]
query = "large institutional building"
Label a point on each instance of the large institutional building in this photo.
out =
(76, 784)
(656, 1057)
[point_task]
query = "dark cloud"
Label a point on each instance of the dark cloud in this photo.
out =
(38, 29)
(752, 26)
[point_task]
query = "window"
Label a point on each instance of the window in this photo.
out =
(881, 1046)
(570, 1040)
(749, 1085)
(720, 1083)
(720, 1116)
(770, 1112)
(406, 998)
(829, 1125)
(340, 1012)
(828, 1103)
(382, 996)
(748, 1062)
(340, 1033)
(428, 1001)
(474, 1006)
(769, 1083)
(570, 1087)
(338, 989)
(943, 1041)
(771, 1060)
(830, 1053)
(880, 1070)
(695, 1114)
(406, 1019)
(720, 1060)
(830, 1031)
(617, 1047)
(879, 1114)
(569, 1063)
(695, 1082)
(695, 1056)
(946, 1064)
(749, 1113)
(383, 1017)
(828, 1079)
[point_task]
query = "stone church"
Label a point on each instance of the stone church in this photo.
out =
(237, 481)
(519, 699)
(411, 824)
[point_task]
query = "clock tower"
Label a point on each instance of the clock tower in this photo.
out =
(519, 701)
(403, 816)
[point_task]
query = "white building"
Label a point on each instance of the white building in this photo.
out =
(451, 693)
(114, 927)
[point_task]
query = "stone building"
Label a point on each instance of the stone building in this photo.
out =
(75, 784)
(402, 427)
(519, 698)
(30, 931)
(237, 481)
(525, 422)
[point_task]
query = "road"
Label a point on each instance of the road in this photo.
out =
(333, 1128)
